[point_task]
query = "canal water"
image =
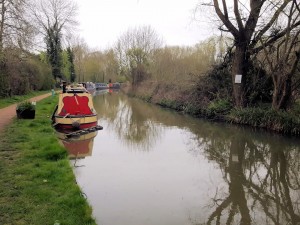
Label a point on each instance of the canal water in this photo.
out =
(152, 166)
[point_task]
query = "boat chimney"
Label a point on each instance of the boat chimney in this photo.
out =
(64, 86)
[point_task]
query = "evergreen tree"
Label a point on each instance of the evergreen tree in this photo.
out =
(54, 49)
(72, 66)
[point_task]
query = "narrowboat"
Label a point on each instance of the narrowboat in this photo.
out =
(75, 110)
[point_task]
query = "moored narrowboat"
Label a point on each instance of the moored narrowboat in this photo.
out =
(75, 110)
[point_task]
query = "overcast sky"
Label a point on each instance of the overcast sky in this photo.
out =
(103, 21)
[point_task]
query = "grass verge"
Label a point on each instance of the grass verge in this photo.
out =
(19, 98)
(37, 184)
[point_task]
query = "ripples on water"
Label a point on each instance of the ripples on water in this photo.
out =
(151, 166)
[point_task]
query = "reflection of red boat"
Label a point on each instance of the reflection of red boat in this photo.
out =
(114, 85)
(75, 110)
(79, 146)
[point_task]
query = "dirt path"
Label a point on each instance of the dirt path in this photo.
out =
(8, 113)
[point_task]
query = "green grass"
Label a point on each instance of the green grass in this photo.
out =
(19, 98)
(37, 184)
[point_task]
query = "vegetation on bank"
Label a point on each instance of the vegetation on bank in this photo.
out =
(221, 109)
(37, 184)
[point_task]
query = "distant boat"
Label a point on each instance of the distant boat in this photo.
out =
(89, 86)
(75, 110)
(101, 86)
(114, 85)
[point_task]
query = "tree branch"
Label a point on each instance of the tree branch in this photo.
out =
(232, 29)
(274, 38)
(237, 15)
(270, 23)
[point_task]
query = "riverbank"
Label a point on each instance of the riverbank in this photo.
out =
(186, 101)
(37, 184)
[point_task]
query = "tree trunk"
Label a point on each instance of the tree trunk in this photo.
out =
(282, 93)
(239, 67)
(282, 80)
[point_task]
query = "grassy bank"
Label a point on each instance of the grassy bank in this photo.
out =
(220, 109)
(19, 98)
(37, 184)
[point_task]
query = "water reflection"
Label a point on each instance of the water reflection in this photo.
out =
(80, 146)
(261, 173)
(187, 171)
(132, 121)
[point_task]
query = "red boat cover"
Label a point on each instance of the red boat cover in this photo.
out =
(75, 105)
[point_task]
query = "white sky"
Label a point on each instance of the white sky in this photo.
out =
(103, 21)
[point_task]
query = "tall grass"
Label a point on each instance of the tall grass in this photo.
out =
(279, 121)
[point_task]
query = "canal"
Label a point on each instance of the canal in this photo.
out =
(152, 166)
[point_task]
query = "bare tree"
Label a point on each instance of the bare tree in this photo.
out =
(55, 18)
(134, 49)
(281, 64)
(81, 52)
(248, 22)
(15, 29)
(15, 35)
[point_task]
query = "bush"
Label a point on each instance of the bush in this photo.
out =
(218, 108)
(215, 84)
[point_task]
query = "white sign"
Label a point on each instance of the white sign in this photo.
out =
(235, 158)
(238, 79)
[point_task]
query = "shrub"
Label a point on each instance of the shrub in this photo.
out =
(25, 105)
(215, 84)
(218, 108)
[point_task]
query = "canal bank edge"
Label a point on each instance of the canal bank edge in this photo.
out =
(37, 183)
(221, 110)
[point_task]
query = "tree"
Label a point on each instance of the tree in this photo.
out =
(15, 29)
(54, 50)
(54, 19)
(15, 32)
(248, 22)
(81, 50)
(72, 66)
(134, 49)
(282, 63)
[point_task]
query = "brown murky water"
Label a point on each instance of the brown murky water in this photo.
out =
(151, 166)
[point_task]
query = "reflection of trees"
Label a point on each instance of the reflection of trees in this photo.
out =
(262, 177)
(137, 122)
(129, 118)
(236, 201)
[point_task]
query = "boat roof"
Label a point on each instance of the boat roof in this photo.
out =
(78, 89)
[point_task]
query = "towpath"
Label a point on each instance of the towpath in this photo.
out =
(9, 112)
